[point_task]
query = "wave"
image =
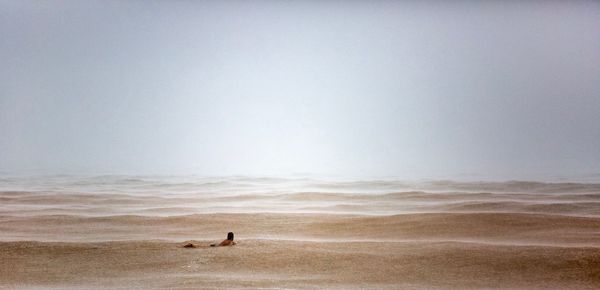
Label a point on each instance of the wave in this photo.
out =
(281, 264)
(498, 227)
(81, 203)
(191, 183)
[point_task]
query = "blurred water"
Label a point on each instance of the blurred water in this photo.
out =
(105, 195)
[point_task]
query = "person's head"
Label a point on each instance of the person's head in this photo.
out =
(230, 236)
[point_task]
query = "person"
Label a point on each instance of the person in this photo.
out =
(227, 242)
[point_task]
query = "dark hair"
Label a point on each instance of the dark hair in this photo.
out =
(230, 236)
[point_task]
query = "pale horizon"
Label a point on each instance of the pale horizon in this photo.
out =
(406, 90)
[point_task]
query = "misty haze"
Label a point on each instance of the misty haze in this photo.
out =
(300, 144)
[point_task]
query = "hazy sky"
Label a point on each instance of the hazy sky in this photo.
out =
(506, 89)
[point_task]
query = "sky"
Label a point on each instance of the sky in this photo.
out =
(408, 89)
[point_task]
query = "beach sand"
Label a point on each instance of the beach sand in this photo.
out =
(536, 236)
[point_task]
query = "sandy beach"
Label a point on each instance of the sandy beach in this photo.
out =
(539, 236)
